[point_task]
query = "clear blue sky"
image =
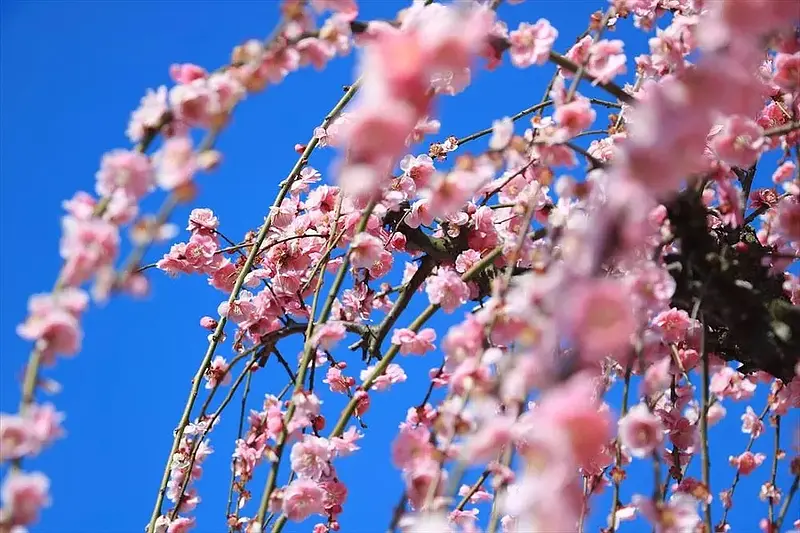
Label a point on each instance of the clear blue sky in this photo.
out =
(71, 72)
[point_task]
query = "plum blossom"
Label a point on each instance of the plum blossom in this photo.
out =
(393, 374)
(302, 498)
(502, 131)
(751, 424)
(310, 458)
(127, 171)
(677, 515)
(175, 163)
(328, 335)
(746, 462)
(217, 373)
(531, 43)
(411, 342)
(600, 315)
(54, 322)
(446, 288)
(23, 496)
(640, 431)
(740, 142)
(365, 250)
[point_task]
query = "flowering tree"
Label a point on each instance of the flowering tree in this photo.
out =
(662, 272)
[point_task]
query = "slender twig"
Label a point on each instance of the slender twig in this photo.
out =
(785, 506)
(775, 454)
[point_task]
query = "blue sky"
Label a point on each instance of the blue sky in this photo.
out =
(70, 74)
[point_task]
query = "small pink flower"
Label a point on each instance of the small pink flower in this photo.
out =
(747, 462)
(531, 43)
(217, 373)
(311, 457)
(446, 288)
(787, 71)
(393, 374)
(729, 383)
(54, 321)
(673, 325)
(202, 219)
(186, 73)
(328, 335)
(182, 524)
(420, 168)
(740, 142)
(302, 498)
(414, 343)
(337, 381)
(23, 496)
(411, 444)
(466, 260)
(502, 132)
(125, 171)
(601, 318)
(149, 115)
(176, 163)
(751, 424)
(640, 431)
(607, 60)
(574, 117)
(785, 172)
(346, 444)
(365, 250)
(678, 515)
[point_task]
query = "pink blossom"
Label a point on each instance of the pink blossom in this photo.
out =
(751, 424)
(574, 117)
(53, 322)
(419, 168)
(785, 172)
(182, 524)
(202, 219)
(186, 72)
(346, 444)
(607, 60)
(310, 458)
(573, 408)
(414, 343)
(746, 462)
(149, 115)
(788, 222)
(502, 132)
(445, 288)
(531, 43)
(345, 7)
(740, 142)
(175, 163)
(411, 444)
(787, 71)
(87, 246)
(600, 315)
(640, 431)
(466, 260)
(125, 171)
(23, 496)
(217, 373)
(678, 515)
(393, 374)
(728, 383)
(365, 250)
(673, 324)
(337, 381)
(302, 498)
(328, 335)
